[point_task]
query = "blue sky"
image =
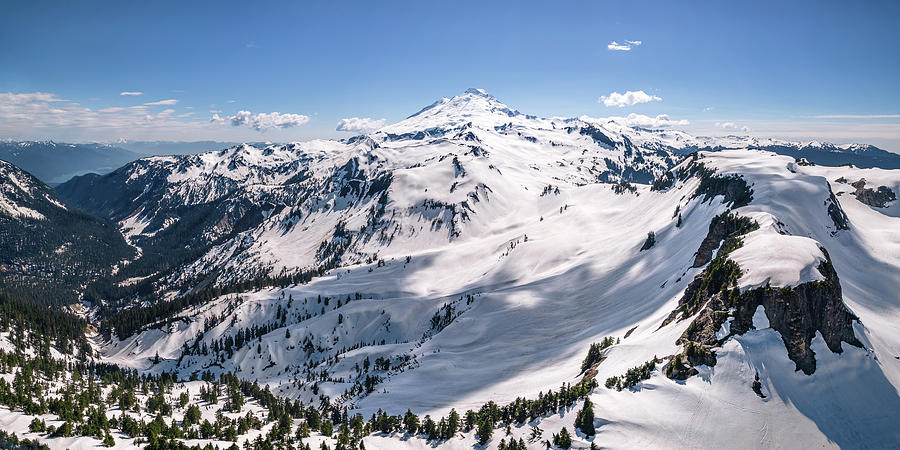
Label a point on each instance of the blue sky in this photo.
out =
(767, 68)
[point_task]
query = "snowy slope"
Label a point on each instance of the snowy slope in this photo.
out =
(481, 251)
(580, 277)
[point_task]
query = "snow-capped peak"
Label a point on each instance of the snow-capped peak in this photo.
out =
(474, 105)
(479, 92)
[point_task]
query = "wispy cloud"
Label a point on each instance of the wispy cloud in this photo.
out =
(9, 98)
(360, 125)
(168, 102)
(115, 109)
(635, 43)
(629, 98)
(39, 110)
(42, 115)
(262, 121)
(132, 93)
(858, 116)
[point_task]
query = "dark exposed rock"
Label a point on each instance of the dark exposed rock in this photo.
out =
(757, 386)
(797, 313)
(650, 242)
(712, 289)
(734, 188)
(597, 136)
(721, 227)
(678, 370)
(841, 222)
(628, 333)
(877, 198)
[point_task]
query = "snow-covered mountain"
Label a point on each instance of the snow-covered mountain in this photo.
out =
(48, 251)
(471, 253)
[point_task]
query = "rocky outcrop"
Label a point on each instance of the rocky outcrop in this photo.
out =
(713, 297)
(878, 198)
(733, 188)
(797, 313)
(837, 214)
(722, 226)
(650, 242)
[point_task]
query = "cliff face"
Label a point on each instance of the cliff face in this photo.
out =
(722, 226)
(797, 313)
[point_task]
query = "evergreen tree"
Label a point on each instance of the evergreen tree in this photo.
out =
(410, 422)
(585, 419)
(563, 439)
(452, 423)
(485, 431)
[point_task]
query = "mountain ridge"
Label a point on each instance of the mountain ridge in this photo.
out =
(471, 258)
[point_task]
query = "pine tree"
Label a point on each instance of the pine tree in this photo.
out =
(411, 422)
(108, 440)
(563, 439)
(485, 430)
(585, 419)
(452, 423)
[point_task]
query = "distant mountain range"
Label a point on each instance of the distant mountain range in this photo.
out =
(56, 162)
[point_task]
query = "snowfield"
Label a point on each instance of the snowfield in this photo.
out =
(506, 246)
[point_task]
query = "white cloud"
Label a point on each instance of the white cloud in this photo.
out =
(38, 111)
(168, 102)
(629, 98)
(41, 115)
(137, 109)
(360, 125)
(640, 120)
(623, 47)
(262, 121)
(133, 93)
(732, 126)
(9, 98)
(619, 47)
